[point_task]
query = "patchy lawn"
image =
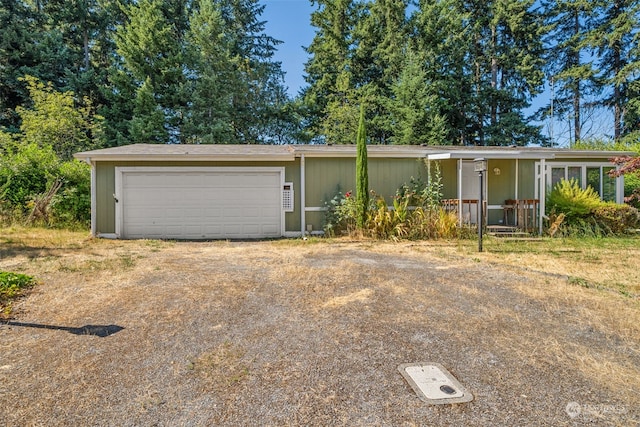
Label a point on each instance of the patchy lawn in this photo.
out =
(311, 332)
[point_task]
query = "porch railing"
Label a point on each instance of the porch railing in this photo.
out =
(522, 213)
(466, 209)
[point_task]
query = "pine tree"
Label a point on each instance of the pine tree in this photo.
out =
(148, 123)
(442, 43)
(507, 70)
(208, 117)
(483, 61)
(615, 37)
(574, 76)
(257, 97)
(330, 96)
(415, 109)
(150, 47)
(380, 38)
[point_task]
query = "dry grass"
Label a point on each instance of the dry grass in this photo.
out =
(298, 332)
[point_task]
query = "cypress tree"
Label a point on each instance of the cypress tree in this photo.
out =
(362, 174)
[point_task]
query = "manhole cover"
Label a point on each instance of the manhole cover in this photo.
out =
(434, 384)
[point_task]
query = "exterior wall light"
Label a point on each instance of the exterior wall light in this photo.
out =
(480, 166)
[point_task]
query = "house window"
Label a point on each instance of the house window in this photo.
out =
(575, 173)
(599, 179)
(287, 197)
(592, 175)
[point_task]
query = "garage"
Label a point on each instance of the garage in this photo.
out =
(199, 202)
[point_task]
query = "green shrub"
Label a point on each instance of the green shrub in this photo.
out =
(569, 198)
(416, 213)
(72, 204)
(12, 285)
(25, 174)
(616, 219)
(574, 211)
(340, 215)
(632, 190)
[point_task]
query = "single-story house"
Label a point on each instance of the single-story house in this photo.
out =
(265, 191)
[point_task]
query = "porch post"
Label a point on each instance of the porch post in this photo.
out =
(619, 188)
(517, 167)
(460, 191)
(303, 202)
(543, 194)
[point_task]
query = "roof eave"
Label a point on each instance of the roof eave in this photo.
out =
(183, 158)
(593, 154)
(494, 155)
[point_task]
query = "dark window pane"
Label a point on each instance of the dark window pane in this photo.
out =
(593, 178)
(575, 172)
(608, 185)
(557, 175)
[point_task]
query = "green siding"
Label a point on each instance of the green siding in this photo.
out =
(328, 176)
(526, 179)
(449, 173)
(500, 187)
(325, 177)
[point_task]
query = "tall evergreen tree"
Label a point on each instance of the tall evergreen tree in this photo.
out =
(380, 39)
(414, 108)
(17, 54)
(148, 123)
(212, 78)
(151, 50)
(330, 96)
(507, 70)
(616, 37)
(257, 97)
(441, 41)
(572, 73)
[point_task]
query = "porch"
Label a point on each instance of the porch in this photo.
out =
(517, 214)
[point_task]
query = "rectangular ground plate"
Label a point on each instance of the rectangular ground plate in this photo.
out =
(434, 384)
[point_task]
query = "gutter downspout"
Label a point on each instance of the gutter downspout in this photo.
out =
(303, 201)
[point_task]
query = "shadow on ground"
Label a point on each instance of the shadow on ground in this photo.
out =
(101, 331)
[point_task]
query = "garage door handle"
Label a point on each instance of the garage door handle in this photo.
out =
(115, 198)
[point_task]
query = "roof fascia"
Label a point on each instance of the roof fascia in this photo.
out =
(184, 158)
(490, 155)
(593, 154)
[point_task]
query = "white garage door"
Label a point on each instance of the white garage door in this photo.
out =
(199, 203)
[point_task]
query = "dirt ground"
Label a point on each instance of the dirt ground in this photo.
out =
(148, 333)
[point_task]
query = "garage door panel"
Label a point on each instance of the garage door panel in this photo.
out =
(201, 205)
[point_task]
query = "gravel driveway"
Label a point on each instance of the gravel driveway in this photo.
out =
(303, 333)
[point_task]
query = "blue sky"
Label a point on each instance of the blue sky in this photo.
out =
(290, 22)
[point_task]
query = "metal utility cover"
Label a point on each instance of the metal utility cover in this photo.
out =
(434, 384)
